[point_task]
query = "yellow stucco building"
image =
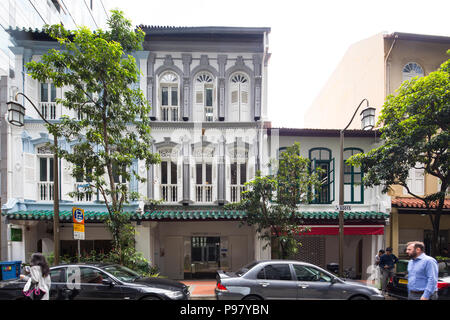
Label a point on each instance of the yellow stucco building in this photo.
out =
(374, 68)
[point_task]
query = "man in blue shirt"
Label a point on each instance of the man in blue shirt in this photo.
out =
(423, 273)
(387, 264)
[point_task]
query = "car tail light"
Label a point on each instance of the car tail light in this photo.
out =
(442, 285)
(221, 287)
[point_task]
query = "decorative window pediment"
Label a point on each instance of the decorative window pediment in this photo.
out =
(204, 77)
(169, 77)
(44, 149)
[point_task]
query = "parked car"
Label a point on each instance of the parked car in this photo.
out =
(398, 284)
(100, 282)
(281, 279)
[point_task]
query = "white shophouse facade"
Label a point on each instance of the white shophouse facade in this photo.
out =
(208, 91)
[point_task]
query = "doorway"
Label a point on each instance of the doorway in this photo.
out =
(205, 257)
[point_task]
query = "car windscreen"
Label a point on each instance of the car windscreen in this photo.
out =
(122, 273)
(245, 269)
(444, 269)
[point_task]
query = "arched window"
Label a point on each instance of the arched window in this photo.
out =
(169, 96)
(353, 186)
(204, 99)
(321, 158)
(412, 70)
(239, 97)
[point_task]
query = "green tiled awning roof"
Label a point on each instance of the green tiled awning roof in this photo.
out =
(194, 215)
(176, 215)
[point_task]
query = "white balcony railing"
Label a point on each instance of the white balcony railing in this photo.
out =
(209, 114)
(169, 193)
(204, 193)
(84, 196)
(236, 191)
(48, 110)
(45, 191)
(170, 113)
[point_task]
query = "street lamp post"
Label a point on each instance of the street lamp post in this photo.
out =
(16, 113)
(367, 123)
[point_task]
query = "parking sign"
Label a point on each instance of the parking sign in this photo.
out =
(78, 223)
(78, 215)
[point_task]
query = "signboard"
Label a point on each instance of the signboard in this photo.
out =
(343, 208)
(16, 234)
(78, 223)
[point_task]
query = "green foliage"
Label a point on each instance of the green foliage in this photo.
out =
(415, 132)
(271, 201)
(101, 77)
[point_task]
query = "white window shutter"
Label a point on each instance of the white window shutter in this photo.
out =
(199, 102)
(30, 174)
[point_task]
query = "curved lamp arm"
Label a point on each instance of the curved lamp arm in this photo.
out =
(37, 110)
(367, 101)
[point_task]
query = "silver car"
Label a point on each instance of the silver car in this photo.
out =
(293, 280)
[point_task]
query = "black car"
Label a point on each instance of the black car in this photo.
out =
(398, 284)
(100, 282)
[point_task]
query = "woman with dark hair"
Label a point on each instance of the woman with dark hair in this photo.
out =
(38, 281)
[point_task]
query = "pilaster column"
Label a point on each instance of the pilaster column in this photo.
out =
(222, 61)
(151, 84)
(187, 60)
(221, 172)
(151, 176)
(257, 62)
(186, 171)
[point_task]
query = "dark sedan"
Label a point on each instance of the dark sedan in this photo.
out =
(100, 282)
(398, 284)
(294, 280)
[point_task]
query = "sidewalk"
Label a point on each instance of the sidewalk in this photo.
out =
(201, 289)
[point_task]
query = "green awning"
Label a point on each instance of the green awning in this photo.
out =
(182, 215)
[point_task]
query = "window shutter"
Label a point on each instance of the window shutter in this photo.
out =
(331, 179)
(30, 190)
(198, 107)
(419, 181)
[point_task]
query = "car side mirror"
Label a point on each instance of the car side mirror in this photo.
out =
(334, 280)
(108, 282)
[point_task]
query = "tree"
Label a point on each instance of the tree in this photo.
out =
(271, 202)
(114, 132)
(415, 132)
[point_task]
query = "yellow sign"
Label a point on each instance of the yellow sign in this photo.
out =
(78, 227)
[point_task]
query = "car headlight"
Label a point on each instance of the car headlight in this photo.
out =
(376, 291)
(174, 294)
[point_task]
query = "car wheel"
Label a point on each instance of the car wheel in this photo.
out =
(252, 298)
(359, 298)
(150, 298)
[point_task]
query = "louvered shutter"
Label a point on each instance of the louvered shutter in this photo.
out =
(198, 102)
(30, 181)
(245, 103)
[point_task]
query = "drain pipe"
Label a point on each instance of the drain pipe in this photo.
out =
(386, 80)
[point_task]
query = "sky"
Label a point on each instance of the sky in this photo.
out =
(307, 39)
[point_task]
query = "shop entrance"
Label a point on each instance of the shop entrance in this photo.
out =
(205, 257)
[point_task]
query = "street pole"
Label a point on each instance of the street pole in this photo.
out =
(341, 203)
(55, 173)
(55, 202)
(341, 189)
(1, 226)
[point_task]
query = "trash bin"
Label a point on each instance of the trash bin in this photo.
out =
(333, 267)
(10, 270)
